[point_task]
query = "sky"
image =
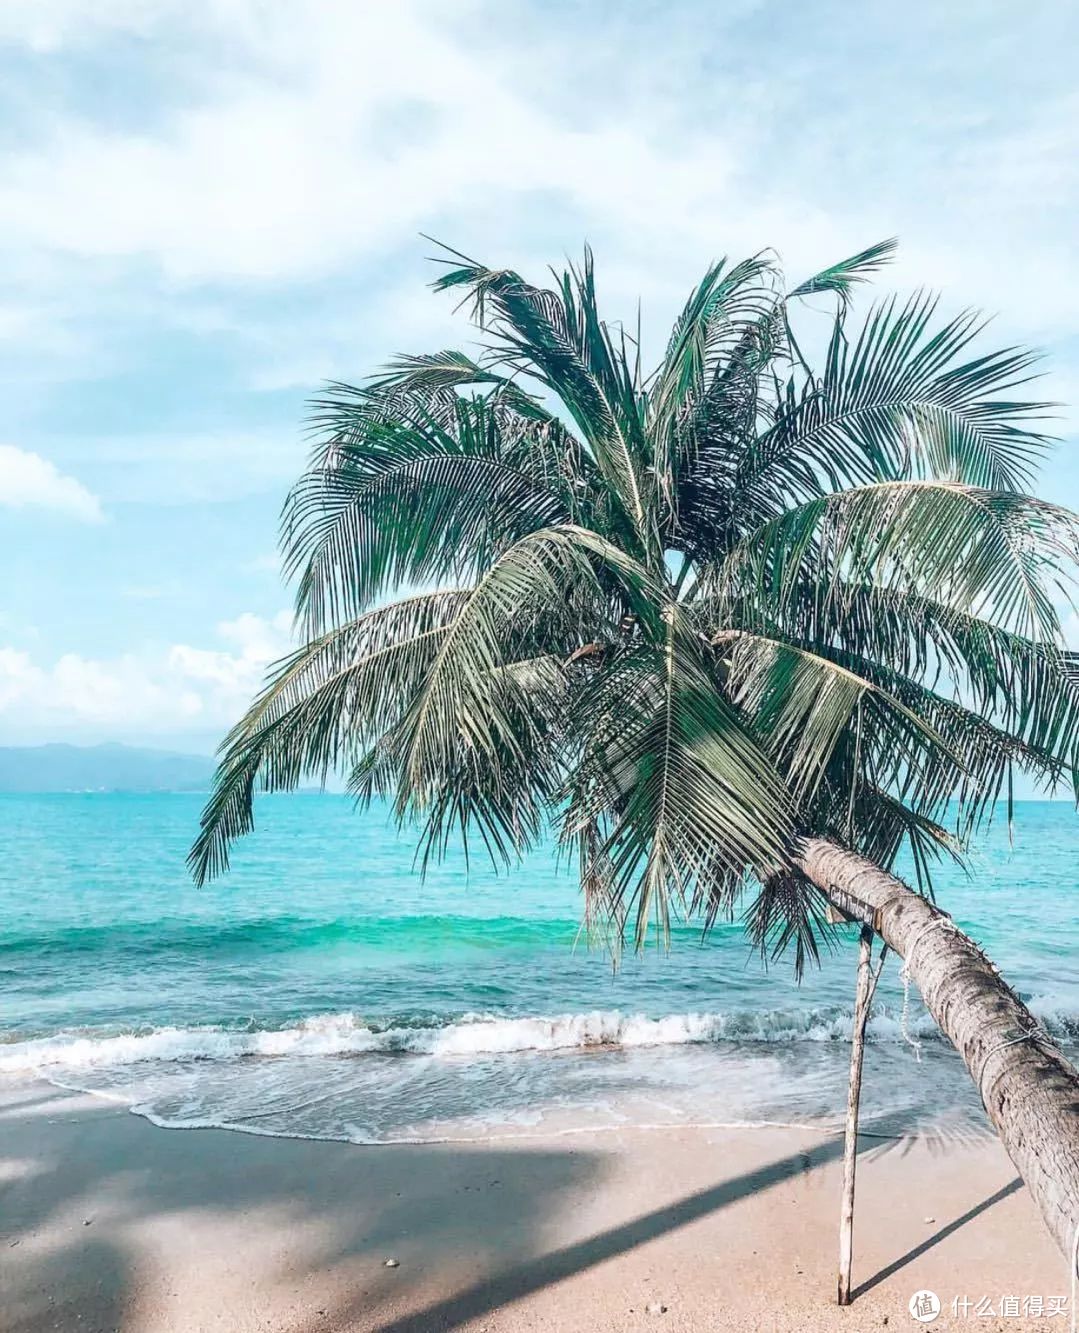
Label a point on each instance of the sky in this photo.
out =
(208, 207)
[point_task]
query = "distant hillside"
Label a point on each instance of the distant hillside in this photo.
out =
(45, 768)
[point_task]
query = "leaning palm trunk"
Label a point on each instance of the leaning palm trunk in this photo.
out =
(1029, 1089)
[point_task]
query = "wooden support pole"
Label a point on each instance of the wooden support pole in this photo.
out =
(863, 995)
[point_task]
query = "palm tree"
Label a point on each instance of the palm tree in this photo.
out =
(746, 627)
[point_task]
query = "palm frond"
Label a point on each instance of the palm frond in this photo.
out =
(841, 279)
(713, 337)
(319, 707)
(408, 378)
(688, 799)
(995, 553)
(549, 588)
(1027, 687)
(417, 502)
(559, 339)
(803, 704)
(897, 400)
(973, 759)
(789, 912)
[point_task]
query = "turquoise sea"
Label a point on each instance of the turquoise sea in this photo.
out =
(324, 988)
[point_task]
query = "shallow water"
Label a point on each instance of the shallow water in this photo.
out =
(323, 988)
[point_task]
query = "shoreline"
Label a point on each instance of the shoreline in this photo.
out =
(934, 1136)
(343, 1091)
(113, 1223)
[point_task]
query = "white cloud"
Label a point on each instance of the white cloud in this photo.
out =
(304, 157)
(165, 691)
(272, 172)
(255, 642)
(27, 479)
(295, 143)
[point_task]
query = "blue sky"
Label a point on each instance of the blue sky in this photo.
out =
(208, 206)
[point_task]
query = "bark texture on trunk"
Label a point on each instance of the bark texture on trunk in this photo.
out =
(1030, 1091)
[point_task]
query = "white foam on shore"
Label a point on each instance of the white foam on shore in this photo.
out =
(485, 1077)
(471, 1035)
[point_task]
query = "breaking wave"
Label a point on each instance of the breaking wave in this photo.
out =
(471, 1034)
(480, 1076)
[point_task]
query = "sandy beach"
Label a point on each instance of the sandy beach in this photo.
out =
(112, 1223)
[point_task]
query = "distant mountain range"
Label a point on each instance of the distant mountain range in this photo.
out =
(50, 768)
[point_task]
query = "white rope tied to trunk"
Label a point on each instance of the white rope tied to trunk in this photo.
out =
(904, 977)
(1032, 1034)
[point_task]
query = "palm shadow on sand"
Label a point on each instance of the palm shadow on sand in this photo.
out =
(456, 1201)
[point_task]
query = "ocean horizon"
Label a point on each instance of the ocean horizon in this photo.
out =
(325, 989)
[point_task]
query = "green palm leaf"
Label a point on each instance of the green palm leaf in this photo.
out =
(318, 708)
(559, 339)
(688, 799)
(897, 401)
(970, 548)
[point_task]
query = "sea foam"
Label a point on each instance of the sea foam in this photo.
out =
(469, 1035)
